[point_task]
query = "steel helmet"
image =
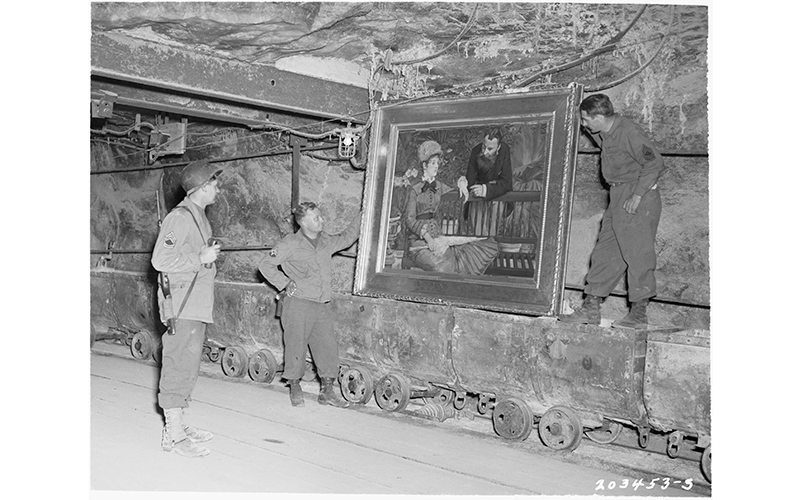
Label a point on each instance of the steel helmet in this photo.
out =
(198, 173)
(428, 149)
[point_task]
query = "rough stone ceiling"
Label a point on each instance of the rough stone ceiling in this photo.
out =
(496, 45)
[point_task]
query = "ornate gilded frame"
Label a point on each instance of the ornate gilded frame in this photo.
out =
(540, 294)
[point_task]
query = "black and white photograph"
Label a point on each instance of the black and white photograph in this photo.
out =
(400, 248)
(418, 249)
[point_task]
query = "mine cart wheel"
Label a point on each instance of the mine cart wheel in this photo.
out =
(214, 354)
(262, 366)
(606, 434)
(142, 345)
(392, 392)
(513, 419)
(341, 373)
(560, 428)
(356, 385)
(443, 397)
(707, 463)
(235, 361)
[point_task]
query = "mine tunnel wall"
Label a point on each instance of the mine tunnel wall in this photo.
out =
(252, 213)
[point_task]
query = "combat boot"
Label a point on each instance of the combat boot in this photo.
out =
(196, 435)
(588, 314)
(175, 439)
(636, 317)
(328, 396)
(296, 394)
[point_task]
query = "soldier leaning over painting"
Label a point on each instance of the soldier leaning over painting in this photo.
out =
(625, 245)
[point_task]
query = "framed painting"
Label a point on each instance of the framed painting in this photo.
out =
(468, 201)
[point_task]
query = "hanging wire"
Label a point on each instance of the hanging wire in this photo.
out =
(643, 66)
(121, 133)
(608, 46)
(465, 29)
(299, 131)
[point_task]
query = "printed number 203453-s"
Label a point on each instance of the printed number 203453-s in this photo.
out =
(661, 482)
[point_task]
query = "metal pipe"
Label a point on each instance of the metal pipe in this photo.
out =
(662, 300)
(667, 152)
(341, 253)
(295, 186)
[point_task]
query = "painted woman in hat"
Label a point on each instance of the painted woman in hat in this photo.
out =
(427, 247)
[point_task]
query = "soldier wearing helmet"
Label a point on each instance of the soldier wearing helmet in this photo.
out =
(184, 255)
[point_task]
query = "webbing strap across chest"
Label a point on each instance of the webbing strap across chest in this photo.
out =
(194, 278)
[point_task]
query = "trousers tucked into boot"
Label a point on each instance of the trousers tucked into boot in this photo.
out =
(328, 396)
(175, 437)
(636, 317)
(588, 314)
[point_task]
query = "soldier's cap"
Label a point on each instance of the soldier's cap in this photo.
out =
(198, 173)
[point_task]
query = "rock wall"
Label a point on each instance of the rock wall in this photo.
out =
(668, 99)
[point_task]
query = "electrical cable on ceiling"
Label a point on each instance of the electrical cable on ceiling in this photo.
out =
(281, 128)
(607, 47)
(120, 142)
(465, 29)
(634, 73)
(324, 157)
(298, 131)
(223, 141)
(121, 133)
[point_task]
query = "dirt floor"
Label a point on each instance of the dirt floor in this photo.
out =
(263, 444)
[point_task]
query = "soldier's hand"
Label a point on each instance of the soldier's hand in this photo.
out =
(631, 205)
(290, 288)
(209, 253)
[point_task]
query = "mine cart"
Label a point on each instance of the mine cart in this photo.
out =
(676, 389)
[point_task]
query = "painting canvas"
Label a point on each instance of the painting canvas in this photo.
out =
(504, 252)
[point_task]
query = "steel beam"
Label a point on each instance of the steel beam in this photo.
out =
(156, 99)
(141, 63)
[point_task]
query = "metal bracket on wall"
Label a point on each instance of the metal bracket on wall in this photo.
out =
(103, 107)
(168, 139)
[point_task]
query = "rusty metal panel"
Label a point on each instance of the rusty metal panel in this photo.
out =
(595, 371)
(122, 300)
(244, 315)
(144, 63)
(676, 386)
(496, 353)
(394, 337)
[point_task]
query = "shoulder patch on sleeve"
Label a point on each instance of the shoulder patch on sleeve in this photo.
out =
(169, 240)
(648, 153)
